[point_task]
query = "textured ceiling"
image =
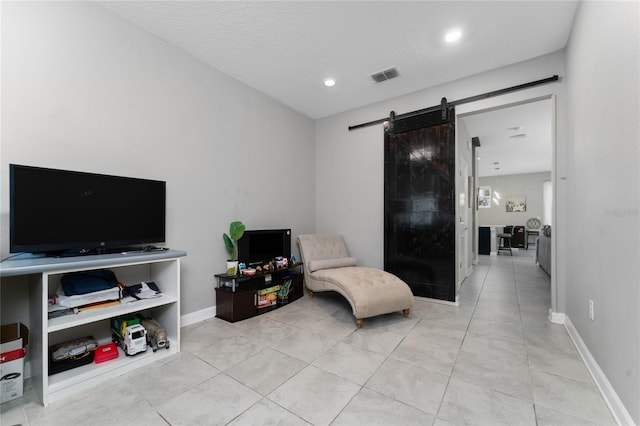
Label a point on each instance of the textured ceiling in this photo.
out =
(285, 49)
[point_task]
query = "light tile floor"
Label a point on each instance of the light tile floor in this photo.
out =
(493, 360)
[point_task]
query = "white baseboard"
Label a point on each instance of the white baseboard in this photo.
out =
(198, 316)
(556, 317)
(609, 394)
(442, 302)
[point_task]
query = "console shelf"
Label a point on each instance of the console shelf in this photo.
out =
(69, 321)
(44, 276)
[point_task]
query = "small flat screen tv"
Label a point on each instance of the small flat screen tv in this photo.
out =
(261, 246)
(54, 211)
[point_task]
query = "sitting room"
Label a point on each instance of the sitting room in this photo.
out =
(284, 115)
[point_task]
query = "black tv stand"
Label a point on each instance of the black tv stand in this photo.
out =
(237, 296)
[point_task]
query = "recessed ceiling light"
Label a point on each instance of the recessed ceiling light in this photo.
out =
(453, 35)
(329, 82)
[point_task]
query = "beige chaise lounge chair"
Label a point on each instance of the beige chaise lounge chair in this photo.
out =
(370, 291)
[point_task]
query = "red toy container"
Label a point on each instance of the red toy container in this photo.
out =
(106, 352)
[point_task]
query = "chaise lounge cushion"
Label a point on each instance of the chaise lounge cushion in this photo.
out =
(370, 291)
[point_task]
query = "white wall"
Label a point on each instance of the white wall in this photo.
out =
(350, 164)
(529, 185)
(83, 89)
(603, 190)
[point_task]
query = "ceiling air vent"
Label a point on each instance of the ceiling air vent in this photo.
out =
(381, 76)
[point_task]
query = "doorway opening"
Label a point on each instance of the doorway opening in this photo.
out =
(517, 144)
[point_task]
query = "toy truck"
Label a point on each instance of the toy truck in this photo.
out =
(156, 334)
(129, 334)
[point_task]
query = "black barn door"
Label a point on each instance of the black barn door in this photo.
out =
(419, 205)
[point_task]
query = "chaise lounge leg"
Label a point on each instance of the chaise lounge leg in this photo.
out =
(405, 312)
(359, 322)
(310, 293)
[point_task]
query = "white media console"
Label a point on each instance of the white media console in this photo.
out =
(43, 276)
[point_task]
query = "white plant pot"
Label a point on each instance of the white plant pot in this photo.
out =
(232, 267)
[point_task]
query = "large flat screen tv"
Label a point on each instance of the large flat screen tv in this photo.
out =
(54, 211)
(261, 246)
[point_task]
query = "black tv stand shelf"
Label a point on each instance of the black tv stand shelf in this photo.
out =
(237, 295)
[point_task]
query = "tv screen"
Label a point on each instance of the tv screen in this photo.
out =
(56, 210)
(261, 246)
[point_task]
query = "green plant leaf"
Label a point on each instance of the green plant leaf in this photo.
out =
(236, 230)
(228, 243)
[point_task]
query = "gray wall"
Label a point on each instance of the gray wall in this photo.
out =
(529, 185)
(83, 89)
(603, 196)
(349, 164)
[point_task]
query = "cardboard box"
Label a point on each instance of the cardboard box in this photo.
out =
(264, 291)
(14, 340)
(264, 300)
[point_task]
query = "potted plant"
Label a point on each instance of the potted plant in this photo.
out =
(236, 231)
